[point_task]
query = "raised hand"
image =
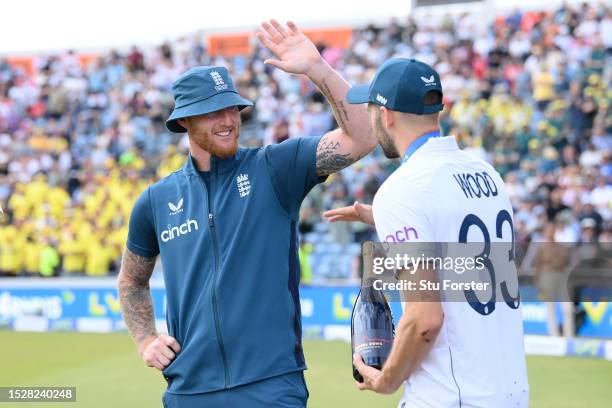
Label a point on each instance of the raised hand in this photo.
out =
(294, 52)
(355, 212)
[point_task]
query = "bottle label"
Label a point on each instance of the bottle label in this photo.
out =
(374, 343)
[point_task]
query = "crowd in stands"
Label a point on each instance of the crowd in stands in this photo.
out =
(529, 93)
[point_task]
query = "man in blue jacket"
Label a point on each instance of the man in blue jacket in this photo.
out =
(225, 226)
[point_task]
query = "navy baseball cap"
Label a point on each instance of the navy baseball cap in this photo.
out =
(202, 90)
(400, 84)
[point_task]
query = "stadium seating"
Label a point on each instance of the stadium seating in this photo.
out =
(82, 135)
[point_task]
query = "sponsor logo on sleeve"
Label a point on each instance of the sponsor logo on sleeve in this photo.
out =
(403, 235)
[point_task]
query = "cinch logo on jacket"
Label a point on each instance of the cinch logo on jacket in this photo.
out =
(173, 232)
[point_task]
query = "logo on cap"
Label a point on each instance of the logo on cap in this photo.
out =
(381, 99)
(220, 84)
(430, 81)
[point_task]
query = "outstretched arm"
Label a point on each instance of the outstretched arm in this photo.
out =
(355, 212)
(296, 54)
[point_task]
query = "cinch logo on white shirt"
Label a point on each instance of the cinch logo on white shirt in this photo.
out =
(173, 232)
(402, 235)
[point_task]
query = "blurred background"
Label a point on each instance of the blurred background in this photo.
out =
(526, 87)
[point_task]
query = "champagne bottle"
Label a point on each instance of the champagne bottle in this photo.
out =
(372, 327)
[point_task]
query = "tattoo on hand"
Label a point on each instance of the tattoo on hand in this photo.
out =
(328, 161)
(135, 295)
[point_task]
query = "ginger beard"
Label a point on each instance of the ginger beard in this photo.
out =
(215, 143)
(217, 135)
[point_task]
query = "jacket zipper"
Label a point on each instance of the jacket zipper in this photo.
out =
(213, 232)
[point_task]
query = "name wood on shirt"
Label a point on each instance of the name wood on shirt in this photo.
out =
(476, 185)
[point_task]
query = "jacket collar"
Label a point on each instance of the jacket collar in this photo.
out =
(217, 165)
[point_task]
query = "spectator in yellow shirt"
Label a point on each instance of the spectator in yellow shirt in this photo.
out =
(31, 260)
(543, 87)
(100, 255)
(11, 251)
(73, 253)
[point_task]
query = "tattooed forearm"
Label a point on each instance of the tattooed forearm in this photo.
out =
(135, 295)
(340, 112)
(329, 160)
(340, 148)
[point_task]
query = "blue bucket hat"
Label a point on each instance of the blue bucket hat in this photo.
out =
(400, 84)
(202, 90)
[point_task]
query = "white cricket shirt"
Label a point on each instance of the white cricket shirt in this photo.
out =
(442, 194)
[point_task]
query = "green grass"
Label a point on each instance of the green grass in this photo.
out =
(108, 372)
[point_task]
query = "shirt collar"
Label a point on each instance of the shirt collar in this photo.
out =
(417, 143)
(436, 144)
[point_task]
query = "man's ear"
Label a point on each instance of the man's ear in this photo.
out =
(387, 117)
(182, 122)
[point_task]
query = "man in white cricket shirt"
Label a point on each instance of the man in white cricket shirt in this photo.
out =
(448, 354)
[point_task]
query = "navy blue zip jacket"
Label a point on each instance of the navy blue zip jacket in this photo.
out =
(229, 251)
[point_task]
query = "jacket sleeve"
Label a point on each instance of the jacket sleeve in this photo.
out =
(292, 168)
(142, 239)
